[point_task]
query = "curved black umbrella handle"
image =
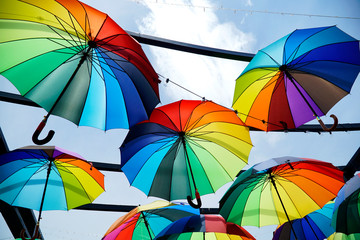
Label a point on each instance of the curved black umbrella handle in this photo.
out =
(36, 134)
(198, 199)
(36, 234)
(332, 128)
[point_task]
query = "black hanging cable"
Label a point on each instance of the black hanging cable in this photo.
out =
(176, 84)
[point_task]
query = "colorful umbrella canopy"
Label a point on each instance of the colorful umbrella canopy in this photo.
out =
(346, 218)
(146, 221)
(76, 63)
(316, 225)
(48, 178)
(185, 146)
(203, 227)
(297, 78)
(280, 190)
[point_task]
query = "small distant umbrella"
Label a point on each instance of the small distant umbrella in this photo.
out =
(146, 221)
(48, 178)
(297, 79)
(280, 190)
(316, 225)
(204, 227)
(186, 149)
(77, 63)
(346, 218)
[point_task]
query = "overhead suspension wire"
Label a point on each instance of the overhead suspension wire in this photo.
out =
(238, 10)
(304, 128)
(167, 80)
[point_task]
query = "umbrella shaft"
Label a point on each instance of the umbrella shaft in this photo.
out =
(311, 227)
(302, 95)
(188, 161)
(282, 204)
(82, 60)
(146, 224)
(43, 196)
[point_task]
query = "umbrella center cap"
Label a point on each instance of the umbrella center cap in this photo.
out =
(283, 68)
(181, 134)
(92, 44)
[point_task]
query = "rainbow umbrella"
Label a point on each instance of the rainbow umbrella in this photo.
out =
(316, 225)
(346, 217)
(203, 227)
(146, 221)
(48, 178)
(77, 63)
(186, 149)
(297, 79)
(280, 190)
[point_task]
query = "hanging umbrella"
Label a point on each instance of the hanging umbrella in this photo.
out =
(297, 79)
(346, 218)
(280, 190)
(204, 227)
(316, 225)
(48, 178)
(146, 221)
(187, 148)
(76, 63)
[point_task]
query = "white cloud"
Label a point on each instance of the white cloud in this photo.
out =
(210, 77)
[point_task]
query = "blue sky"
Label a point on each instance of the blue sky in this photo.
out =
(242, 25)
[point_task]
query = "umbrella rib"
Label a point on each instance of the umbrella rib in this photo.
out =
(87, 23)
(297, 175)
(268, 84)
(80, 183)
(204, 140)
(103, 53)
(270, 57)
(277, 86)
(118, 48)
(65, 30)
(179, 115)
(283, 49)
(187, 126)
(33, 165)
(42, 168)
(208, 180)
(64, 46)
(297, 210)
(67, 61)
(299, 45)
(57, 17)
(77, 33)
(105, 42)
(193, 133)
(62, 37)
(60, 22)
(167, 142)
(170, 119)
(253, 183)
